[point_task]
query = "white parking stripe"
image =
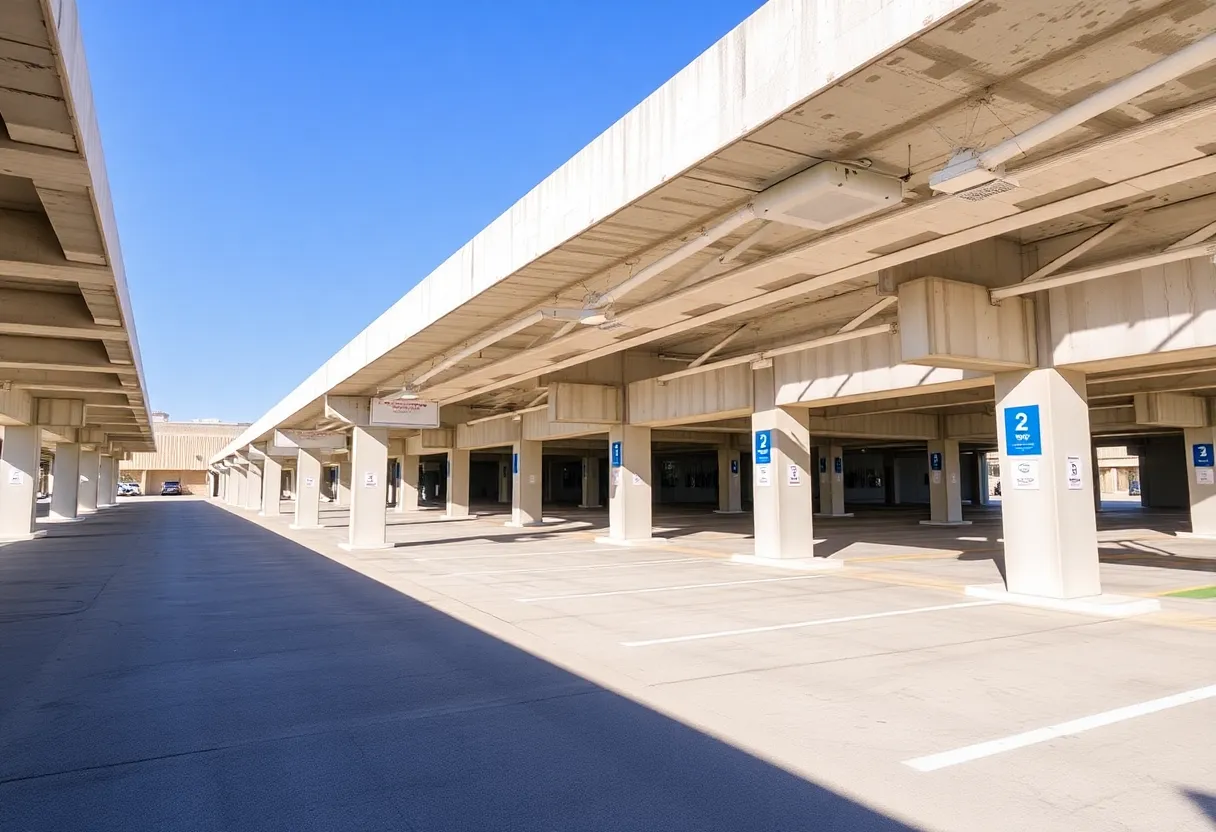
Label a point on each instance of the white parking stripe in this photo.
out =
(663, 589)
(799, 624)
(585, 566)
(1064, 729)
(597, 550)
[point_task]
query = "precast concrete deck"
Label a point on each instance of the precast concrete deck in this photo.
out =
(173, 664)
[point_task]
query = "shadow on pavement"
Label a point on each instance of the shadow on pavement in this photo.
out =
(193, 670)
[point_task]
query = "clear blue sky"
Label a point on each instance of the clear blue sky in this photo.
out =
(284, 170)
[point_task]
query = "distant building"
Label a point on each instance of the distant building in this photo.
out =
(183, 449)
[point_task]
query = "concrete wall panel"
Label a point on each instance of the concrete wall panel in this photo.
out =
(712, 395)
(946, 323)
(1136, 319)
(862, 370)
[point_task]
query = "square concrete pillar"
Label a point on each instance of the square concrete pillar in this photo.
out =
(342, 486)
(407, 487)
(368, 492)
(730, 482)
(90, 470)
(527, 479)
(945, 485)
(253, 487)
(308, 489)
(65, 494)
(19, 456)
(397, 466)
(781, 476)
(1050, 529)
(458, 483)
(830, 462)
(504, 478)
(105, 481)
(629, 497)
(1201, 479)
(591, 482)
(272, 486)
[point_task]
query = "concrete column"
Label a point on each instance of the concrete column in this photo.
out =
(458, 483)
(272, 486)
(831, 481)
(253, 487)
(399, 484)
(407, 489)
(781, 486)
(368, 466)
(90, 469)
(1201, 479)
(591, 482)
(505, 473)
(980, 484)
(945, 485)
(342, 486)
(308, 489)
(1050, 528)
(19, 454)
(629, 490)
(527, 479)
(730, 488)
(105, 481)
(66, 494)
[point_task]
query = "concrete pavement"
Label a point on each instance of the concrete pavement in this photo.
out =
(169, 665)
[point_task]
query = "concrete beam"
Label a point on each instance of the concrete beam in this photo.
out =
(352, 410)
(59, 412)
(55, 381)
(23, 352)
(946, 323)
(585, 403)
(16, 406)
(724, 393)
(1174, 410)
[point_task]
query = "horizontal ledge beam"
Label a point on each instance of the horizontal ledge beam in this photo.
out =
(82, 275)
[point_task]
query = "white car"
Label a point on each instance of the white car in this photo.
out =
(128, 489)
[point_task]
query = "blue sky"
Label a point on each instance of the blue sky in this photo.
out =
(284, 170)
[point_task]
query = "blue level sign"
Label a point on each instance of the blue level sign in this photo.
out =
(1022, 434)
(616, 455)
(935, 461)
(838, 465)
(1203, 456)
(514, 463)
(764, 447)
(734, 466)
(823, 464)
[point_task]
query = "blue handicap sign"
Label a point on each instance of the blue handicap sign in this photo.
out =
(514, 463)
(1203, 456)
(1022, 434)
(616, 455)
(838, 465)
(764, 447)
(935, 461)
(734, 466)
(823, 464)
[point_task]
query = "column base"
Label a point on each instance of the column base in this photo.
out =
(534, 524)
(794, 564)
(636, 541)
(17, 538)
(584, 505)
(945, 522)
(363, 547)
(729, 511)
(1105, 605)
(457, 517)
(830, 516)
(53, 518)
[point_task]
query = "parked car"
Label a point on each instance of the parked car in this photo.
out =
(171, 488)
(128, 489)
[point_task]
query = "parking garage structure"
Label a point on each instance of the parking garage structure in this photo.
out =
(72, 395)
(957, 238)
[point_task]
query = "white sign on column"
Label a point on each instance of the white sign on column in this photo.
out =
(1073, 470)
(404, 413)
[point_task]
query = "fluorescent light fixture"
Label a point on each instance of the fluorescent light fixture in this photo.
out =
(409, 391)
